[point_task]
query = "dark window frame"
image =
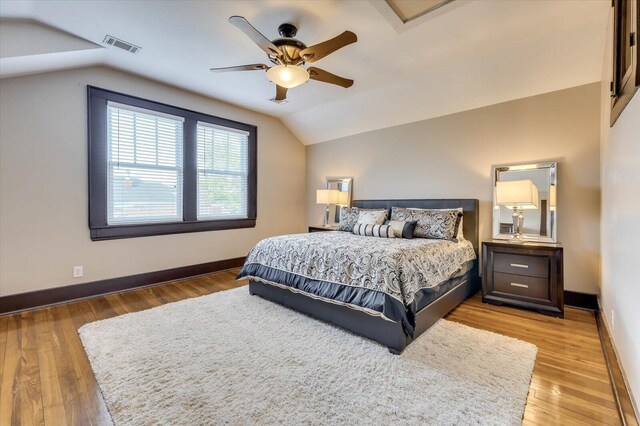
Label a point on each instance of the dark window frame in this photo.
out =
(625, 82)
(97, 100)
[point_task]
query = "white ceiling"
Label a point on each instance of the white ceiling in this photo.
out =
(469, 55)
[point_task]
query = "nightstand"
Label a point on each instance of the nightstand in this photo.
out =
(528, 275)
(321, 228)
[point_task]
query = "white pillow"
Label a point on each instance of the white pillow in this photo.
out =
(372, 217)
(369, 230)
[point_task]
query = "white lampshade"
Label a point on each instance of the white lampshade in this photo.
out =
(553, 194)
(343, 198)
(518, 193)
(327, 196)
(288, 75)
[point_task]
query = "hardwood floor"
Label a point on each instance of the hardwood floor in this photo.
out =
(45, 376)
(570, 383)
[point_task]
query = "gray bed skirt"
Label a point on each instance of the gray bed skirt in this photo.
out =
(388, 333)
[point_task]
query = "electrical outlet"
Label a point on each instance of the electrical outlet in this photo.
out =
(613, 321)
(78, 271)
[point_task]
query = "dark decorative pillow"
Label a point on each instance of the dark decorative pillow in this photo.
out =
(402, 229)
(349, 217)
(369, 230)
(441, 224)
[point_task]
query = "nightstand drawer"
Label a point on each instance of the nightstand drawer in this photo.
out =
(520, 285)
(530, 266)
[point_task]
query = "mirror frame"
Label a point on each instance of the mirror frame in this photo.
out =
(553, 181)
(334, 210)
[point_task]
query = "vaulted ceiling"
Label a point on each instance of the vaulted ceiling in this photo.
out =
(465, 55)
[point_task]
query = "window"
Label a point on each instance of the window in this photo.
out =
(144, 166)
(626, 63)
(157, 169)
(222, 172)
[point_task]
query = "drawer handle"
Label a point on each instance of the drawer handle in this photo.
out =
(519, 285)
(519, 265)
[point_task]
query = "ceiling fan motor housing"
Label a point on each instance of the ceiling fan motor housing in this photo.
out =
(287, 30)
(289, 46)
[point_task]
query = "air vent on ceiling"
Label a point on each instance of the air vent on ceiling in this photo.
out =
(279, 101)
(112, 41)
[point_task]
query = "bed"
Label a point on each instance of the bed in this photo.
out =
(388, 290)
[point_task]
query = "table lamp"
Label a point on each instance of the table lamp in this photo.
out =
(518, 195)
(327, 197)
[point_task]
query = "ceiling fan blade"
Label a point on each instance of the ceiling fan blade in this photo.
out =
(264, 43)
(281, 93)
(320, 50)
(326, 77)
(252, 67)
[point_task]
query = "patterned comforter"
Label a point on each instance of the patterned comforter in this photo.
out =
(377, 274)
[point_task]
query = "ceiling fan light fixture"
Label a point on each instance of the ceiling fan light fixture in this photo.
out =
(288, 75)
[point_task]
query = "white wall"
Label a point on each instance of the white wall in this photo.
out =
(620, 229)
(452, 156)
(43, 185)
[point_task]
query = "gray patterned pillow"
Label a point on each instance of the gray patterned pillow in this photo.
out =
(372, 217)
(460, 233)
(436, 224)
(349, 217)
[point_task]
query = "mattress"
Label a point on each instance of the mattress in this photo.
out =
(392, 278)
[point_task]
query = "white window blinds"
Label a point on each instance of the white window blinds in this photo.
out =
(223, 165)
(144, 166)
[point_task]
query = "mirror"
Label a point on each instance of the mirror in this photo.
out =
(344, 185)
(525, 200)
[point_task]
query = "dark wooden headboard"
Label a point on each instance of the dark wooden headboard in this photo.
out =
(469, 207)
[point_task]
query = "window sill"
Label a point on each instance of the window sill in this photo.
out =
(151, 229)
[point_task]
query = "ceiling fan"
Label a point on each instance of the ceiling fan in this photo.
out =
(289, 54)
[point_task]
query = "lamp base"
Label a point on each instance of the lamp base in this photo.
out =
(516, 239)
(326, 216)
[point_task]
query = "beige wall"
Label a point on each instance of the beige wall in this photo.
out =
(452, 156)
(620, 230)
(43, 185)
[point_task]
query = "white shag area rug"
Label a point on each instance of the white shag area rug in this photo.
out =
(231, 358)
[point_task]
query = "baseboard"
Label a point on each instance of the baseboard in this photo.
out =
(624, 400)
(51, 296)
(586, 301)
